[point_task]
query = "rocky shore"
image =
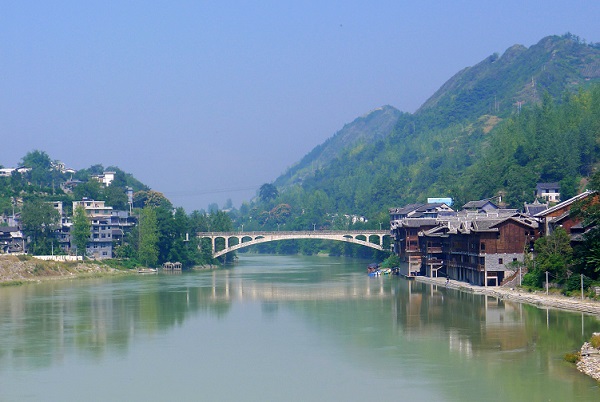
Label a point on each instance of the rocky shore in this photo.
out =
(589, 362)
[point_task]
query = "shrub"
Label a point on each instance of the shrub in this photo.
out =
(391, 262)
(595, 341)
(574, 283)
(572, 357)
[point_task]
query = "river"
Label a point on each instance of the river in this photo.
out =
(282, 328)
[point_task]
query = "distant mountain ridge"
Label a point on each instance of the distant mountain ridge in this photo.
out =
(499, 84)
(461, 142)
(372, 126)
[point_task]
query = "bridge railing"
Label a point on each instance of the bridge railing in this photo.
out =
(295, 232)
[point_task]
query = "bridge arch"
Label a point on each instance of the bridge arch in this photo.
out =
(237, 240)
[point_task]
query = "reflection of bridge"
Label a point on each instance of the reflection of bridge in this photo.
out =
(236, 240)
(360, 288)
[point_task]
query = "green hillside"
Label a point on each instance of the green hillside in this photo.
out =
(499, 127)
(366, 129)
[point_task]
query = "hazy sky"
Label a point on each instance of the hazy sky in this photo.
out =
(206, 101)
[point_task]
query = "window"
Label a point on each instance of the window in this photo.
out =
(500, 261)
(514, 260)
(482, 246)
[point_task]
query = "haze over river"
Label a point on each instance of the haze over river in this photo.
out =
(282, 328)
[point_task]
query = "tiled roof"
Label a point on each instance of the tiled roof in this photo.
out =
(547, 186)
(564, 204)
(479, 204)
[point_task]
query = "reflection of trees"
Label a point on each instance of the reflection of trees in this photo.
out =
(39, 324)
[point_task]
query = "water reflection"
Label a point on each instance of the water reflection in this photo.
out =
(385, 321)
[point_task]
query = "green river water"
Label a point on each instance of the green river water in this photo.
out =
(282, 328)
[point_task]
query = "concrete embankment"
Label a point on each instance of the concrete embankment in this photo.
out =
(522, 296)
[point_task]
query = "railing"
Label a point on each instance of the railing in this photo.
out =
(365, 232)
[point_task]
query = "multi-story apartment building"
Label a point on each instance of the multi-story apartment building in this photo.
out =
(101, 238)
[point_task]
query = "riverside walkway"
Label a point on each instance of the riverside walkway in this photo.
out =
(236, 240)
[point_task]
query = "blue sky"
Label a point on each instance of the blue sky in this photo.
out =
(206, 101)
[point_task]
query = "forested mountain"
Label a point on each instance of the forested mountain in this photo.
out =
(499, 127)
(521, 76)
(371, 127)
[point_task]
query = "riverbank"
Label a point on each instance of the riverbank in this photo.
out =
(15, 270)
(589, 357)
(538, 298)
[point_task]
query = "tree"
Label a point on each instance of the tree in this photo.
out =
(151, 198)
(81, 230)
(91, 189)
(553, 255)
(268, 192)
(115, 196)
(37, 160)
(148, 232)
(40, 163)
(39, 218)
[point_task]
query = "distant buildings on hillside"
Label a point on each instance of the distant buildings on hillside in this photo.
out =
(107, 227)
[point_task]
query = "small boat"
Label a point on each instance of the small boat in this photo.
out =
(147, 270)
(372, 267)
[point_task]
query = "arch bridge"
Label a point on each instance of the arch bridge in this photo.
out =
(237, 240)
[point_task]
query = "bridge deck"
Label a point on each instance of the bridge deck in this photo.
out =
(237, 240)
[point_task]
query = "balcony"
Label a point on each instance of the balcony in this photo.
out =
(434, 261)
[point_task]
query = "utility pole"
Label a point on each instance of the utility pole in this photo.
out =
(546, 282)
(581, 286)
